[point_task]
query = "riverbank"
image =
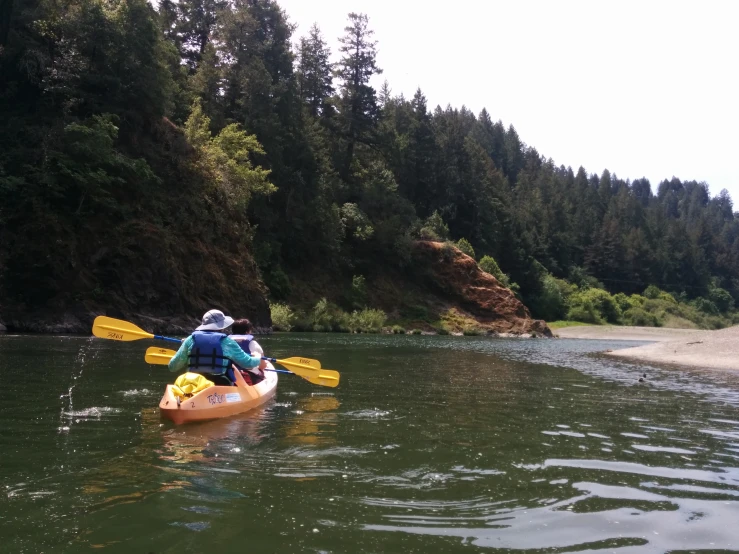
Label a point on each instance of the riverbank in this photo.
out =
(687, 347)
(624, 332)
(705, 349)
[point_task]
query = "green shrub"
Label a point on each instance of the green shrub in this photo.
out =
(472, 332)
(441, 331)
(398, 330)
(597, 300)
(585, 313)
(434, 228)
(656, 305)
(489, 265)
(367, 321)
(651, 292)
(552, 302)
(623, 301)
(579, 277)
(706, 306)
(464, 245)
(320, 316)
(359, 291)
(325, 317)
(654, 293)
(637, 316)
(714, 322)
(415, 332)
(627, 302)
(282, 317)
(722, 299)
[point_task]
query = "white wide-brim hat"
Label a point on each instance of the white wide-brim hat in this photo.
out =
(214, 320)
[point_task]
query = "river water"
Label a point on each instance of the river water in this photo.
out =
(430, 444)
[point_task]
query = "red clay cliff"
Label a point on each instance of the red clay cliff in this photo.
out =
(473, 293)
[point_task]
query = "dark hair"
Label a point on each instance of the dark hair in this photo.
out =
(242, 327)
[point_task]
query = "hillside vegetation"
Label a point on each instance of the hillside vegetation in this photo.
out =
(168, 160)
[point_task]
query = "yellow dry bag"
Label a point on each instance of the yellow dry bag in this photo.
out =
(189, 384)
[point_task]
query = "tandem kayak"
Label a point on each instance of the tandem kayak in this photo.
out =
(218, 401)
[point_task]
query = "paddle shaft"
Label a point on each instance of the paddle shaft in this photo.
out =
(265, 358)
(163, 357)
(160, 337)
(278, 370)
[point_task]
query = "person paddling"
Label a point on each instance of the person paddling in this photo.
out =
(211, 352)
(243, 329)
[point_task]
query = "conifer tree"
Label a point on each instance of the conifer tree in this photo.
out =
(314, 72)
(359, 109)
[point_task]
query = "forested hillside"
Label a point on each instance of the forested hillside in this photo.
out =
(147, 157)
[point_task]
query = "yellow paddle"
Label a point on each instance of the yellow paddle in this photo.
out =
(117, 329)
(322, 377)
(158, 356)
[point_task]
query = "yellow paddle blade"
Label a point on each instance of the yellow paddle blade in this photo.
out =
(315, 364)
(158, 356)
(117, 329)
(323, 377)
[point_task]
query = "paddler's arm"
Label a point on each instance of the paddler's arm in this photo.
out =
(236, 354)
(181, 360)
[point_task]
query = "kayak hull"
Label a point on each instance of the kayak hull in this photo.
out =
(218, 401)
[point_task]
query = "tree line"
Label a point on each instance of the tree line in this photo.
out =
(213, 114)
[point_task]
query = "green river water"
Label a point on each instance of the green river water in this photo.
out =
(430, 444)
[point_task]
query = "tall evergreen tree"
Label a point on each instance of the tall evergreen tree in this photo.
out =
(314, 72)
(358, 105)
(195, 26)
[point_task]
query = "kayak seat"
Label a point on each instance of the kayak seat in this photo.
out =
(221, 380)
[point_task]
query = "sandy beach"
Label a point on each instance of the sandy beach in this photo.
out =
(688, 347)
(614, 332)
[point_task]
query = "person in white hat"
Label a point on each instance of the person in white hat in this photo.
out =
(211, 352)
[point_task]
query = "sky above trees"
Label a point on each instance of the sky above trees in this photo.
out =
(646, 89)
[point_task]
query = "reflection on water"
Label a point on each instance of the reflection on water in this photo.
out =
(315, 422)
(431, 444)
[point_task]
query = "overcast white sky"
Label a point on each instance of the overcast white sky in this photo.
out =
(643, 88)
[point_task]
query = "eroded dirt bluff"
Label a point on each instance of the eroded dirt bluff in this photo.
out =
(162, 287)
(473, 292)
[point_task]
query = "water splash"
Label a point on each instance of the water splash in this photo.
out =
(83, 354)
(94, 412)
(135, 392)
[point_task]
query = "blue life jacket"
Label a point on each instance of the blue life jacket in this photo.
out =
(207, 354)
(244, 341)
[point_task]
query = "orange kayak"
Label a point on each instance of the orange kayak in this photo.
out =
(218, 401)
